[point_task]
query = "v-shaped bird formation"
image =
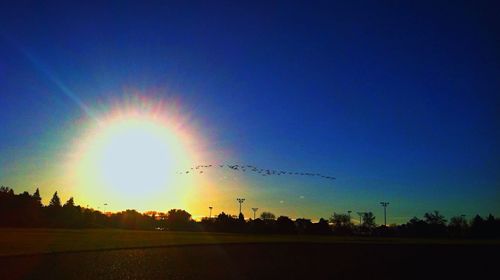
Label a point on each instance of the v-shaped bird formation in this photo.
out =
(199, 169)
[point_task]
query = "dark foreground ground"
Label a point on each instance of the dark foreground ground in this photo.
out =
(264, 261)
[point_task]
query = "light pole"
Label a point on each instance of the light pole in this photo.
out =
(349, 214)
(384, 204)
(254, 211)
(360, 216)
(210, 207)
(240, 201)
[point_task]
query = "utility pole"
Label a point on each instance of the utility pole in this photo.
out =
(254, 211)
(360, 216)
(384, 204)
(240, 201)
(210, 216)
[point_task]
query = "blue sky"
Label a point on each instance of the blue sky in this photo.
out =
(399, 101)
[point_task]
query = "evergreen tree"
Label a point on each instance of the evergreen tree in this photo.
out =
(70, 203)
(55, 201)
(37, 196)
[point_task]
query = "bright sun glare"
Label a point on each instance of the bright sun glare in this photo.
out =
(135, 152)
(132, 155)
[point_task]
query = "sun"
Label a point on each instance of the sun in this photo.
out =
(135, 152)
(131, 156)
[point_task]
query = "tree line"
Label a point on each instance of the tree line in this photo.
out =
(25, 210)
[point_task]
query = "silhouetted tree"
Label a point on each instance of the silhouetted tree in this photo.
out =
(267, 216)
(6, 190)
(55, 201)
(69, 203)
(434, 218)
(152, 214)
(485, 228)
(54, 212)
(25, 210)
(414, 227)
(303, 226)
(71, 214)
(285, 225)
(131, 219)
(341, 223)
(226, 223)
(37, 197)
(7, 206)
(458, 221)
(321, 227)
(207, 224)
(477, 221)
(178, 219)
(436, 224)
(368, 220)
(458, 226)
(260, 226)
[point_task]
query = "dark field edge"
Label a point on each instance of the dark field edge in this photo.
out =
(330, 244)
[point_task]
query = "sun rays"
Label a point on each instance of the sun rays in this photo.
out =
(130, 154)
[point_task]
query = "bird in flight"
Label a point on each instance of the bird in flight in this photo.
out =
(261, 171)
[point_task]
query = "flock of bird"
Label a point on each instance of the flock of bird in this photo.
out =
(244, 168)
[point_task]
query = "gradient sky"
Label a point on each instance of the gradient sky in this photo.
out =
(399, 101)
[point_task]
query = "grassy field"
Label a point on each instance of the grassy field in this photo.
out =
(124, 254)
(39, 241)
(262, 261)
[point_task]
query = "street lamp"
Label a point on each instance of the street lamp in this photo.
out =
(360, 216)
(254, 211)
(240, 201)
(385, 204)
